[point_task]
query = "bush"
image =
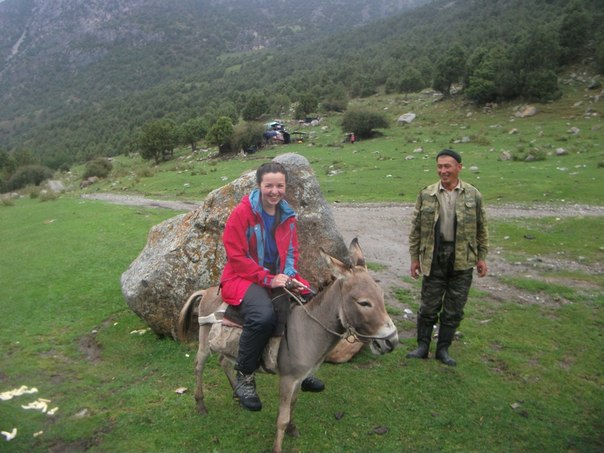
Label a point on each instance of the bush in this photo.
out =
(599, 54)
(247, 135)
(28, 175)
(98, 167)
(411, 81)
(530, 155)
(48, 195)
(363, 122)
(221, 134)
(145, 172)
(542, 86)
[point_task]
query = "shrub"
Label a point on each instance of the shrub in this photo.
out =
(48, 195)
(7, 201)
(145, 172)
(221, 134)
(542, 86)
(529, 155)
(599, 54)
(363, 122)
(28, 174)
(64, 167)
(98, 167)
(411, 81)
(480, 140)
(247, 135)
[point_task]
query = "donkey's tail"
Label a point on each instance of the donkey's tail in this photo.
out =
(185, 318)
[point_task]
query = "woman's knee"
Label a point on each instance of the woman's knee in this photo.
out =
(267, 318)
(258, 308)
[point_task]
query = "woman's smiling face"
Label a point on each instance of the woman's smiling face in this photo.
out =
(272, 190)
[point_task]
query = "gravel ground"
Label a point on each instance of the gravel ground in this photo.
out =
(383, 229)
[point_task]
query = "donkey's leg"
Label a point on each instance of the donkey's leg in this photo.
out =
(287, 390)
(292, 429)
(227, 367)
(203, 352)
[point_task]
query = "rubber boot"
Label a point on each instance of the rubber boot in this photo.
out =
(245, 390)
(424, 336)
(445, 338)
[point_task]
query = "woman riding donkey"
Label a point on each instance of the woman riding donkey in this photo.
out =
(261, 243)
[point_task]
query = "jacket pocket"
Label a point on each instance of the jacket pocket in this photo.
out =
(427, 214)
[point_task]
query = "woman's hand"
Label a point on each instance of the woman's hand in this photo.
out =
(284, 281)
(280, 281)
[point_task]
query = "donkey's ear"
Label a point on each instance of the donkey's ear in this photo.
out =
(338, 269)
(356, 254)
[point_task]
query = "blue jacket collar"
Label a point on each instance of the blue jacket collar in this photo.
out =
(256, 204)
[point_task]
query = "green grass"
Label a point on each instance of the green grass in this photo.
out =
(380, 169)
(576, 238)
(529, 377)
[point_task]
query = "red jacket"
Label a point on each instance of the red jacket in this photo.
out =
(243, 240)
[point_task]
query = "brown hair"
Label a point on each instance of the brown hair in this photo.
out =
(270, 167)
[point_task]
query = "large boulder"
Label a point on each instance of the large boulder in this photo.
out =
(185, 253)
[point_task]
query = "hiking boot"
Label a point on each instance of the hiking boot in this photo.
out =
(424, 336)
(312, 384)
(445, 338)
(245, 391)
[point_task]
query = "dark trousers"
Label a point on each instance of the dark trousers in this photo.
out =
(259, 321)
(445, 290)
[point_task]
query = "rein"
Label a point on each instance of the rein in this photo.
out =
(351, 335)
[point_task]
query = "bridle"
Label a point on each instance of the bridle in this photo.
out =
(350, 334)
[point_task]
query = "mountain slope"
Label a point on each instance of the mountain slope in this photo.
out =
(138, 43)
(79, 77)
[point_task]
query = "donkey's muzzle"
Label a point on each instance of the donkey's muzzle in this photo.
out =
(384, 345)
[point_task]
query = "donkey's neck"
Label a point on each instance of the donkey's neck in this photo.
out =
(315, 328)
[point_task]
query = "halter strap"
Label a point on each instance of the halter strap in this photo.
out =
(349, 332)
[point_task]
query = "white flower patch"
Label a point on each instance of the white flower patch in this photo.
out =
(9, 436)
(23, 390)
(41, 404)
(140, 331)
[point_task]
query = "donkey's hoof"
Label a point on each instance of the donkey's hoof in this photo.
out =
(292, 430)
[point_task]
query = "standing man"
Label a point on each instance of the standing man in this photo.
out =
(448, 238)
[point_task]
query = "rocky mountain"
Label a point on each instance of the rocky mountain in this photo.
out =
(79, 78)
(51, 47)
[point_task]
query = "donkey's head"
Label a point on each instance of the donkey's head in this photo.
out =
(362, 310)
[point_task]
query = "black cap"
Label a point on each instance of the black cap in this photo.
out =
(449, 152)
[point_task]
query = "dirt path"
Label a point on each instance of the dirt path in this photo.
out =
(383, 234)
(383, 229)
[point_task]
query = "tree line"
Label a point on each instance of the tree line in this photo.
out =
(495, 51)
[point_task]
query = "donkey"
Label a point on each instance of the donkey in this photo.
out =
(351, 306)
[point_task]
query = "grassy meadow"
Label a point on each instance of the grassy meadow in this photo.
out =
(394, 166)
(529, 376)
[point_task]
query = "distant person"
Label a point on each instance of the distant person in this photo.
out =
(261, 243)
(448, 238)
(350, 138)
